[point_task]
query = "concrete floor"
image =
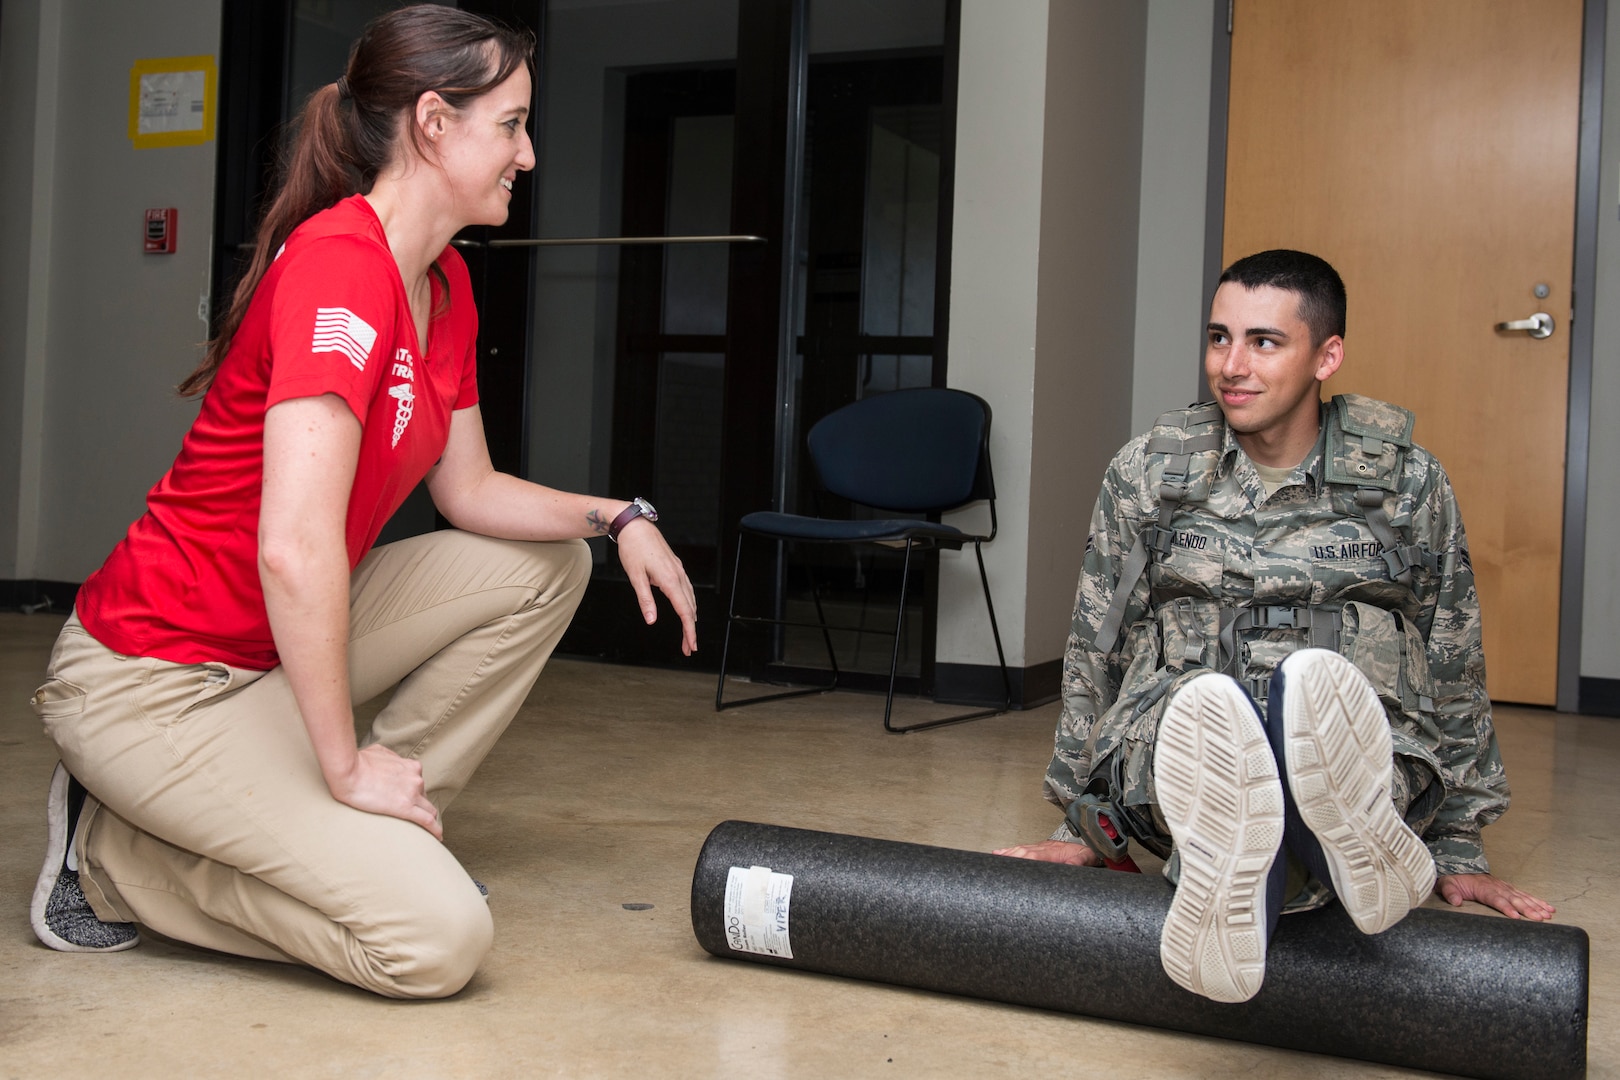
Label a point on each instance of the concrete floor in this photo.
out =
(600, 796)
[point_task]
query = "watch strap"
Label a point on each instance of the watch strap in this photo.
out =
(638, 508)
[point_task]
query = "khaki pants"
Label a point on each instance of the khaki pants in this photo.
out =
(214, 824)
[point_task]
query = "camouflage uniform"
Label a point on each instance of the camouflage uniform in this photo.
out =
(1232, 550)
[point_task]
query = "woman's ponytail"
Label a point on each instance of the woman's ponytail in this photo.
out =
(348, 129)
(319, 170)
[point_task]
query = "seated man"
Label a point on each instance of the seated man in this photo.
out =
(1276, 650)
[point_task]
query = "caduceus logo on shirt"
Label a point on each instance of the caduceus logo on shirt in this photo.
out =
(401, 393)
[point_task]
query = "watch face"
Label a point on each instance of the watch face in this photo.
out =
(647, 510)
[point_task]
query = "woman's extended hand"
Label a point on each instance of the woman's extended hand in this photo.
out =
(382, 782)
(473, 496)
(648, 561)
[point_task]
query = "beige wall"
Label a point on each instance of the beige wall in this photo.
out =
(1090, 183)
(25, 217)
(1001, 108)
(1047, 286)
(1171, 306)
(95, 333)
(1043, 294)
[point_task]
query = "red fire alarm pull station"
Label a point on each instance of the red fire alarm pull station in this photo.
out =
(160, 225)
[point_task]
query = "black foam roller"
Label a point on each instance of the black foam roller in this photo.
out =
(1441, 990)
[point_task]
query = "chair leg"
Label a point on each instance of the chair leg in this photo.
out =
(821, 617)
(732, 618)
(995, 631)
(731, 615)
(899, 631)
(866, 597)
(1006, 680)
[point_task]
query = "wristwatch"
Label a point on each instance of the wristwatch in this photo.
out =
(638, 508)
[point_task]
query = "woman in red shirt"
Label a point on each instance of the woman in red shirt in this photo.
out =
(202, 693)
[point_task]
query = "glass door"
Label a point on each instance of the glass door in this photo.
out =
(641, 153)
(866, 318)
(753, 192)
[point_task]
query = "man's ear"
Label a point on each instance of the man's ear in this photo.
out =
(1329, 355)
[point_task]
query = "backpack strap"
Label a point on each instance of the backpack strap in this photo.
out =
(1367, 442)
(1400, 558)
(1173, 488)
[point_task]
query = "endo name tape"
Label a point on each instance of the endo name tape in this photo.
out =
(757, 911)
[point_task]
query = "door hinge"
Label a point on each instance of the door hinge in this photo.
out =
(1230, 4)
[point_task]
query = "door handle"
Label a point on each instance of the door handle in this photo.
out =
(1539, 325)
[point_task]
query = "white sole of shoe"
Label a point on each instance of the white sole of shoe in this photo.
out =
(56, 841)
(1219, 791)
(56, 844)
(1340, 765)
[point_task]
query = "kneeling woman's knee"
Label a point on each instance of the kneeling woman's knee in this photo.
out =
(564, 570)
(577, 571)
(446, 949)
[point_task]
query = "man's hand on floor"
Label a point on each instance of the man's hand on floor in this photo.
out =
(1492, 891)
(1058, 851)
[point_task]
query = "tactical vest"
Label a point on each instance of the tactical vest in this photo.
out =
(1365, 454)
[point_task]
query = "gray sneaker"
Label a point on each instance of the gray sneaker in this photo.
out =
(1220, 794)
(60, 914)
(1340, 763)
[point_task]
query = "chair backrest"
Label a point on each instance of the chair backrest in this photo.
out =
(919, 451)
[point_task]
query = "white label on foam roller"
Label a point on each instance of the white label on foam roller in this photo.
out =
(757, 911)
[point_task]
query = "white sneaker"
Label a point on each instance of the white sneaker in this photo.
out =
(1218, 789)
(1340, 762)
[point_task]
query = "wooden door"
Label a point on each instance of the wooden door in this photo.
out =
(1428, 151)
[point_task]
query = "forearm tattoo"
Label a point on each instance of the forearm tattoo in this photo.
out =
(598, 523)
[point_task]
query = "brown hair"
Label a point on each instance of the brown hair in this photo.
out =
(348, 129)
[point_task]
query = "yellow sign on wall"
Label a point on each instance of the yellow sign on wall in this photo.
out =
(171, 101)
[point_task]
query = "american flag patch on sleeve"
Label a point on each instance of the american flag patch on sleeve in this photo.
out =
(340, 330)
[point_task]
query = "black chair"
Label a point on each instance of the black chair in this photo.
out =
(920, 451)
